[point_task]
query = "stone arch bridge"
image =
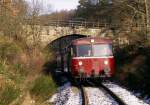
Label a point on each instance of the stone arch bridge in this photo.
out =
(56, 29)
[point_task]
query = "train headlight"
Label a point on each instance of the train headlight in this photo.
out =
(92, 40)
(80, 63)
(106, 62)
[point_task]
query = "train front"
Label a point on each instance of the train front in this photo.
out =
(92, 57)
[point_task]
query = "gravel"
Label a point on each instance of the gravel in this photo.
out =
(128, 97)
(99, 97)
(75, 99)
(66, 96)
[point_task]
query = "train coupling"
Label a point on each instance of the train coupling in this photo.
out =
(94, 73)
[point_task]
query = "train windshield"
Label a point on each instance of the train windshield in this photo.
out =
(96, 50)
(84, 51)
(102, 50)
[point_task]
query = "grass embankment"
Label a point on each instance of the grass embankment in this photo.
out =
(133, 68)
(21, 73)
(42, 88)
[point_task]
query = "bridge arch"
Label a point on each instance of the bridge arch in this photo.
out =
(62, 42)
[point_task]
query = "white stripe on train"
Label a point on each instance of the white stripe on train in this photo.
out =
(92, 57)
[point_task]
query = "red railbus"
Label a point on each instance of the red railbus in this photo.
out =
(89, 57)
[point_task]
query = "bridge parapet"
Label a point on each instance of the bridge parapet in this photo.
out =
(73, 23)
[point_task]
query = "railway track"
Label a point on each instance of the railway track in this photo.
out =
(114, 96)
(101, 87)
(93, 93)
(84, 95)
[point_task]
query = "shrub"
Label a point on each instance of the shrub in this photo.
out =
(8, 49)
(49, 55)
(9, 73)
(2, 68)
(8, 95)
(42, 88)
(19, 69)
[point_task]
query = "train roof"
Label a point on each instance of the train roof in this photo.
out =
(89, 40)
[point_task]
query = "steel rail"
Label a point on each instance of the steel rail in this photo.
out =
(113, 95)
(84, 96)
(79, 85)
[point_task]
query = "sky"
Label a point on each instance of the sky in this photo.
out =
(57, 5)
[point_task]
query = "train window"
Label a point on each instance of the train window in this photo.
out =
(102, 50)
(73, 51)
(84, 51)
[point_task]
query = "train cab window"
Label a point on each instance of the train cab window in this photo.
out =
(102, 50)
(84, 50)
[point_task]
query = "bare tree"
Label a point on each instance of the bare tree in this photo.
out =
(34, 24)
(147, 16)
(12, 17)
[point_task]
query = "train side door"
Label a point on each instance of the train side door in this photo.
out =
(69, 57)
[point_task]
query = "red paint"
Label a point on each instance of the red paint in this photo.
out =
(90, 64)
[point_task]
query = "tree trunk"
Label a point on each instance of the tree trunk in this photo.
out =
(147, 17)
